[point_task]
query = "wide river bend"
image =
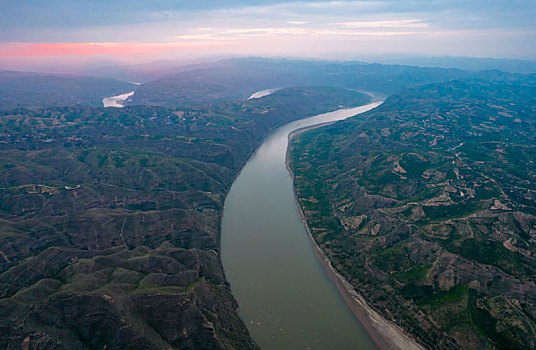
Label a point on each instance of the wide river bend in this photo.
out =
(286, 299)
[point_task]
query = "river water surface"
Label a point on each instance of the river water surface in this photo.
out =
(116, 101)
(284, 295)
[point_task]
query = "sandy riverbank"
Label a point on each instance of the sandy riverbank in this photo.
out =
(384, 334)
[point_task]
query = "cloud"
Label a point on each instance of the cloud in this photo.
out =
(304, 9)
(195, 37)
(235, 33)
(14, 49)
(403, 23)
(269, 27)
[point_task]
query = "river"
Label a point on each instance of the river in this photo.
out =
(116, 101)
(262, 93)
(284, 296)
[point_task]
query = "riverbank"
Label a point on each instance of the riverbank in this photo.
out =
(285, 297)
(385, 334)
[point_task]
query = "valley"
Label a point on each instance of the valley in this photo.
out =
(112, 224)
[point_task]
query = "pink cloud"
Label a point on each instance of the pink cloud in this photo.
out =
(11, 49)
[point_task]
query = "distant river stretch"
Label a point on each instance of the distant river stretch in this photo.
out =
(284, 296)
(116, 101)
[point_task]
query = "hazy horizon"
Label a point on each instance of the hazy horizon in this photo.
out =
(84, 34)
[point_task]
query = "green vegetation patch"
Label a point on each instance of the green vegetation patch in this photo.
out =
(488, 252)
(414, 164)
(456, 210)
(395, 258)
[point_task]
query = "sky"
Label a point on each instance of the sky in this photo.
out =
(138, 31)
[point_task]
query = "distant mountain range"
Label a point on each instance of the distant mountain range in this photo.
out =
(27, 89)
(466, 63)
(173, 84)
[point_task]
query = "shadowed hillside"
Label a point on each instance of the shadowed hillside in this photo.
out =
(110, 220)
(24, 89)
(238, 78)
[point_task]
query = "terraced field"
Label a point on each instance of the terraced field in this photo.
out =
(427, 205)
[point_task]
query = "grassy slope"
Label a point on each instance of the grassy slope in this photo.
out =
(109, 220)
(427, 206)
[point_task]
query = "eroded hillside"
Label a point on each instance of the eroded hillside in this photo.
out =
(110, 220)
(427, 205)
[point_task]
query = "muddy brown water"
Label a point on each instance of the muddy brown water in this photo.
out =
(284, 296)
